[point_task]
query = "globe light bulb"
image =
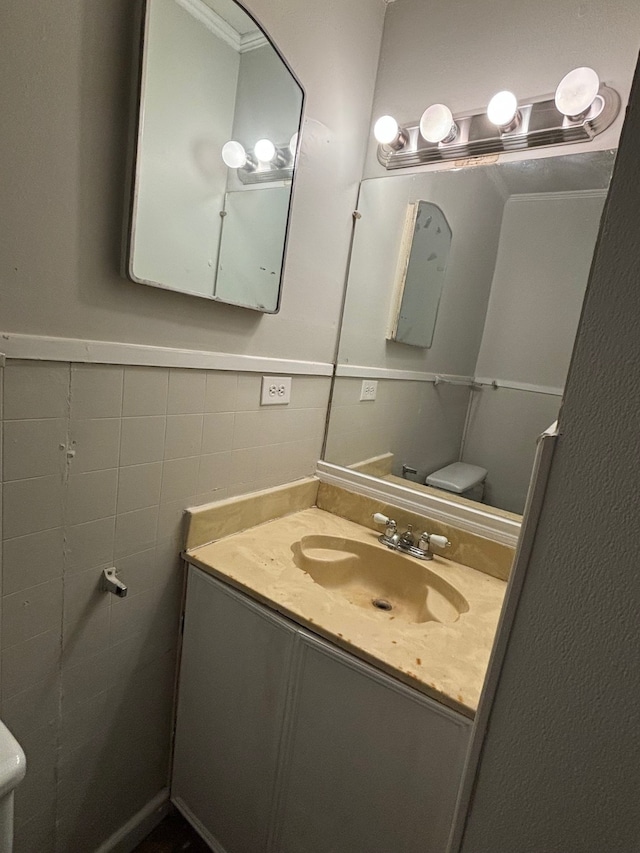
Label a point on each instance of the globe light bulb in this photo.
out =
(234, 155)
(293, 145)
(385, 130)
(502, 109)
(264, 150)
(437, 124)
(577, 91)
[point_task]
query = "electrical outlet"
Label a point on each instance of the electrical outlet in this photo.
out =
(369, 389)
(276, 390)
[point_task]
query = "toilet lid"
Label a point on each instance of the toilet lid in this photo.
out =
(457, 477)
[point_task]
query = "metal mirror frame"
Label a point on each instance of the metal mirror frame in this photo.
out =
(140, 30)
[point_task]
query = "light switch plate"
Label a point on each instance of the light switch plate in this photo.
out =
(276, 390)
(369, 389)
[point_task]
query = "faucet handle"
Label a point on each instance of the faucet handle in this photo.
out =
(428, 539)
(390, 525)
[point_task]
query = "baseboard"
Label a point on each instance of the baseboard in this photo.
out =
(188, 815)
(139, 826)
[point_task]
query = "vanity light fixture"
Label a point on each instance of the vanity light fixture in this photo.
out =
(577, 93)
(581, 109)
(503, 111)
(387, 131)
(293, 145)
(437, 124)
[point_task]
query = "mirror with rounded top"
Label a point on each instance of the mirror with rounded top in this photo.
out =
(214, 164)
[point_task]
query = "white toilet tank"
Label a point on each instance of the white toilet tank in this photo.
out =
(461, 478)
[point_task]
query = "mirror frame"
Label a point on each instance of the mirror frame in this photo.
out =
(140, 30)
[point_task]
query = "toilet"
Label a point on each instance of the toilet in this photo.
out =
(12, 770)
(461, 478)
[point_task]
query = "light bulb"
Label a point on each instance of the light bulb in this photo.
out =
(264, 150)
(577, 91)
(234, 155)
(385, 130)
(293, 145)
(437, 124)
(503, 109)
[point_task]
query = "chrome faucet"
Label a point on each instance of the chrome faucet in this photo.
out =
(406, 542)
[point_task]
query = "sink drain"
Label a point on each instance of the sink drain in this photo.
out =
(382, 604)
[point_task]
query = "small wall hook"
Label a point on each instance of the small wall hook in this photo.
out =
(110, 583)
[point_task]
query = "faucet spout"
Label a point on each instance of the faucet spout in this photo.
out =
(406, 543)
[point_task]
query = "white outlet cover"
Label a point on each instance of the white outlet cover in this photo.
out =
(276, 391)
(368, 389)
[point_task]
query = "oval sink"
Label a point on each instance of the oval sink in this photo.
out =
(375, 578)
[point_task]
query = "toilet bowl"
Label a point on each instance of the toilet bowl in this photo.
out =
(461, 478)
(12, 769)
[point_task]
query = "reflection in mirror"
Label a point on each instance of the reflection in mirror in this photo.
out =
(201, 224)
(421, 270)
(493, 378)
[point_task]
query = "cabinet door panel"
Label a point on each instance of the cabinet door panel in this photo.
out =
(373, 766)
(233, 684)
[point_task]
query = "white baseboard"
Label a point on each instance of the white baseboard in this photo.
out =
(139, 826)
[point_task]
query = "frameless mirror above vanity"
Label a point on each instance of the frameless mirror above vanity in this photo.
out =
(487, 378)
(219, 114)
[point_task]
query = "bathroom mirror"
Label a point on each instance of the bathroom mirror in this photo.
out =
(218, 119)
(422, 266)
(493, 377)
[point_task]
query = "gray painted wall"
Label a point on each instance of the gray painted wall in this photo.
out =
(63, 175)
(559, 770)
(542, 268)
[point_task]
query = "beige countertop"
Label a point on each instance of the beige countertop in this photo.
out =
(446, 661)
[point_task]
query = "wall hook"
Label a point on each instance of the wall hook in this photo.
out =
(110, 583)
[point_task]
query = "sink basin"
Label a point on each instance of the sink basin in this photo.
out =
(377, 579)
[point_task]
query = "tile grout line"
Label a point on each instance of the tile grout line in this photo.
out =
(65, 511)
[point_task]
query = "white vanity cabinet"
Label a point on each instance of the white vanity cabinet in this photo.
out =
(234, 674)
(286, 744)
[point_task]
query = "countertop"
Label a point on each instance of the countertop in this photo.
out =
(445, 661)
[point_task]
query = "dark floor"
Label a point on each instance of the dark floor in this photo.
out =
(173, 835)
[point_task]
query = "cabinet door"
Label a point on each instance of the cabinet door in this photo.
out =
(373, 766)
(233, 684)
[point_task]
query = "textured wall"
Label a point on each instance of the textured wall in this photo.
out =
(560, 767)
(87, 679)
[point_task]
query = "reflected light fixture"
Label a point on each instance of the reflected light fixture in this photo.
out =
(234, 155)
(266, 163)
(265, 150)
(503, 111)
(437, 124)
(577, 92)
(387, 131)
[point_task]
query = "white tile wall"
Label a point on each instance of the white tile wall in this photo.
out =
(98, 464)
